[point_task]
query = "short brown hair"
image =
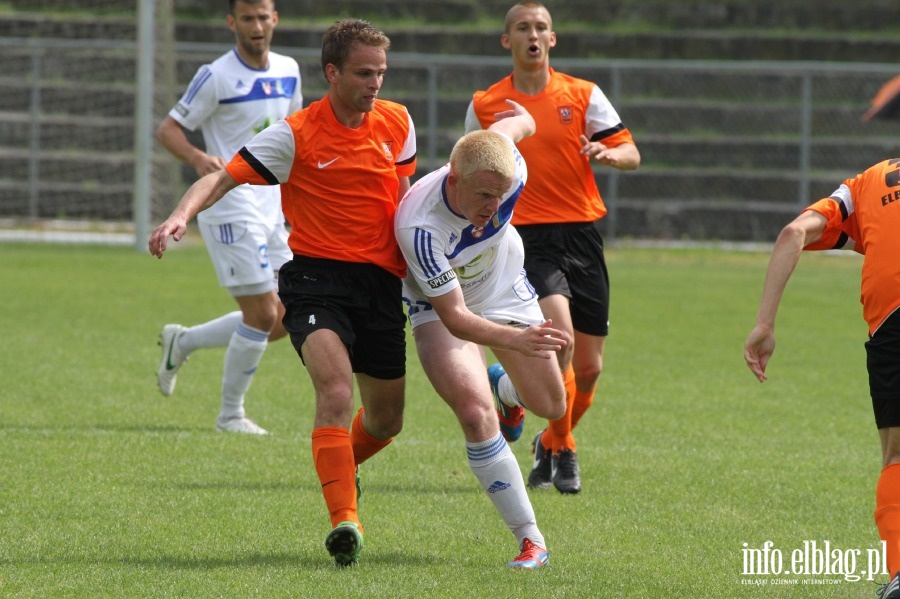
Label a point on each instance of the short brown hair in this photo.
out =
(341, 37)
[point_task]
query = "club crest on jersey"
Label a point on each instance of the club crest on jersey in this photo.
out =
(565, 115)
(267, 88)
(386, 146)
(477, 232)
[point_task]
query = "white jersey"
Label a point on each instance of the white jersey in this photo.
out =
(230, 102)
(443, 250)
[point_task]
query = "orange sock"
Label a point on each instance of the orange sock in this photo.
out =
(559, 433)
(333, 457)
(364, 444)
(583, 400)
(887, 514)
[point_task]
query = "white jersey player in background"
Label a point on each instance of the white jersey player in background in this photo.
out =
(466, 290)
(231, 100)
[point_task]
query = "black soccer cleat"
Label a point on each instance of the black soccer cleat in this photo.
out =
(564, 472)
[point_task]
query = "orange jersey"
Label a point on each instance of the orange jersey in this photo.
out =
(561, 186)
(864, 215)
(338, 185)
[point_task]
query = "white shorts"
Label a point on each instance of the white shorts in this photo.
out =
(517, 306)
(247, 256)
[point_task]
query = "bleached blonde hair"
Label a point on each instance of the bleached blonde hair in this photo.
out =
(480, 151)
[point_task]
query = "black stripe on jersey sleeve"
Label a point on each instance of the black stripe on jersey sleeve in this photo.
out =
(841, 242)
(258, 166)
(407, 161)
(601, 135)
(844, 212)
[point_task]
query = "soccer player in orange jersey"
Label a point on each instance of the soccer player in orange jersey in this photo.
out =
(343, 164)
(557, 217)
(863, 214)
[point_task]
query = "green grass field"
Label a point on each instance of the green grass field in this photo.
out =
(107, 489)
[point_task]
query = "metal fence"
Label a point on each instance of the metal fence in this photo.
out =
(729, 149)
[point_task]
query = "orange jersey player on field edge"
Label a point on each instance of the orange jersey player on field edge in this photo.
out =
(863, 214)
(557, 217)
(343, 164)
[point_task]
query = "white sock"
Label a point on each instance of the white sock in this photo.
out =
(508, 393)
(497, 470)
(245, 350)
(215, 333)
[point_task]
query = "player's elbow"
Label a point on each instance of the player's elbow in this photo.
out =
(798, 235)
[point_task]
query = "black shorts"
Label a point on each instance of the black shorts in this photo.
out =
(883, 363)
(567, 259)
(359, 302)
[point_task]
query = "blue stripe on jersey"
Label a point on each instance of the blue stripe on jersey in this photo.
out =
(424, 254)
(266, 88)
(202, 77)
(503, 216)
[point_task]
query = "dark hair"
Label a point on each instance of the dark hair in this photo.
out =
(341, 37)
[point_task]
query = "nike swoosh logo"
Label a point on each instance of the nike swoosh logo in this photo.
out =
(329, 482)
(169, 365)
(324, 164)
(537, 462)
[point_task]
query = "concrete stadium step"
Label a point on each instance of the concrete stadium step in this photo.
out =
(70, 97)
(833, 15)
(103, 168)
(691, 42)
(673, 184)
(59, 133)
(83, 65)
(760, 153)
(64, 200)
(694, 220)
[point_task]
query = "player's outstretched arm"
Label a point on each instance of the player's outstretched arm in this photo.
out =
(802, 231)
(205, 192)
(536, 341)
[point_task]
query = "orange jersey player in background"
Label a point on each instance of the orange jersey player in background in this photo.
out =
(557, 217)
(863, 214)
(343, 164)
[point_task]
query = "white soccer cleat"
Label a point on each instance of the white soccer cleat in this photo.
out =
(240, 424)
(172, 358)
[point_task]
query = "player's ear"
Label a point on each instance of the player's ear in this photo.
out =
(552, 39)
(331, 72)
(274, 18)
(452, 178)
(504, 41)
